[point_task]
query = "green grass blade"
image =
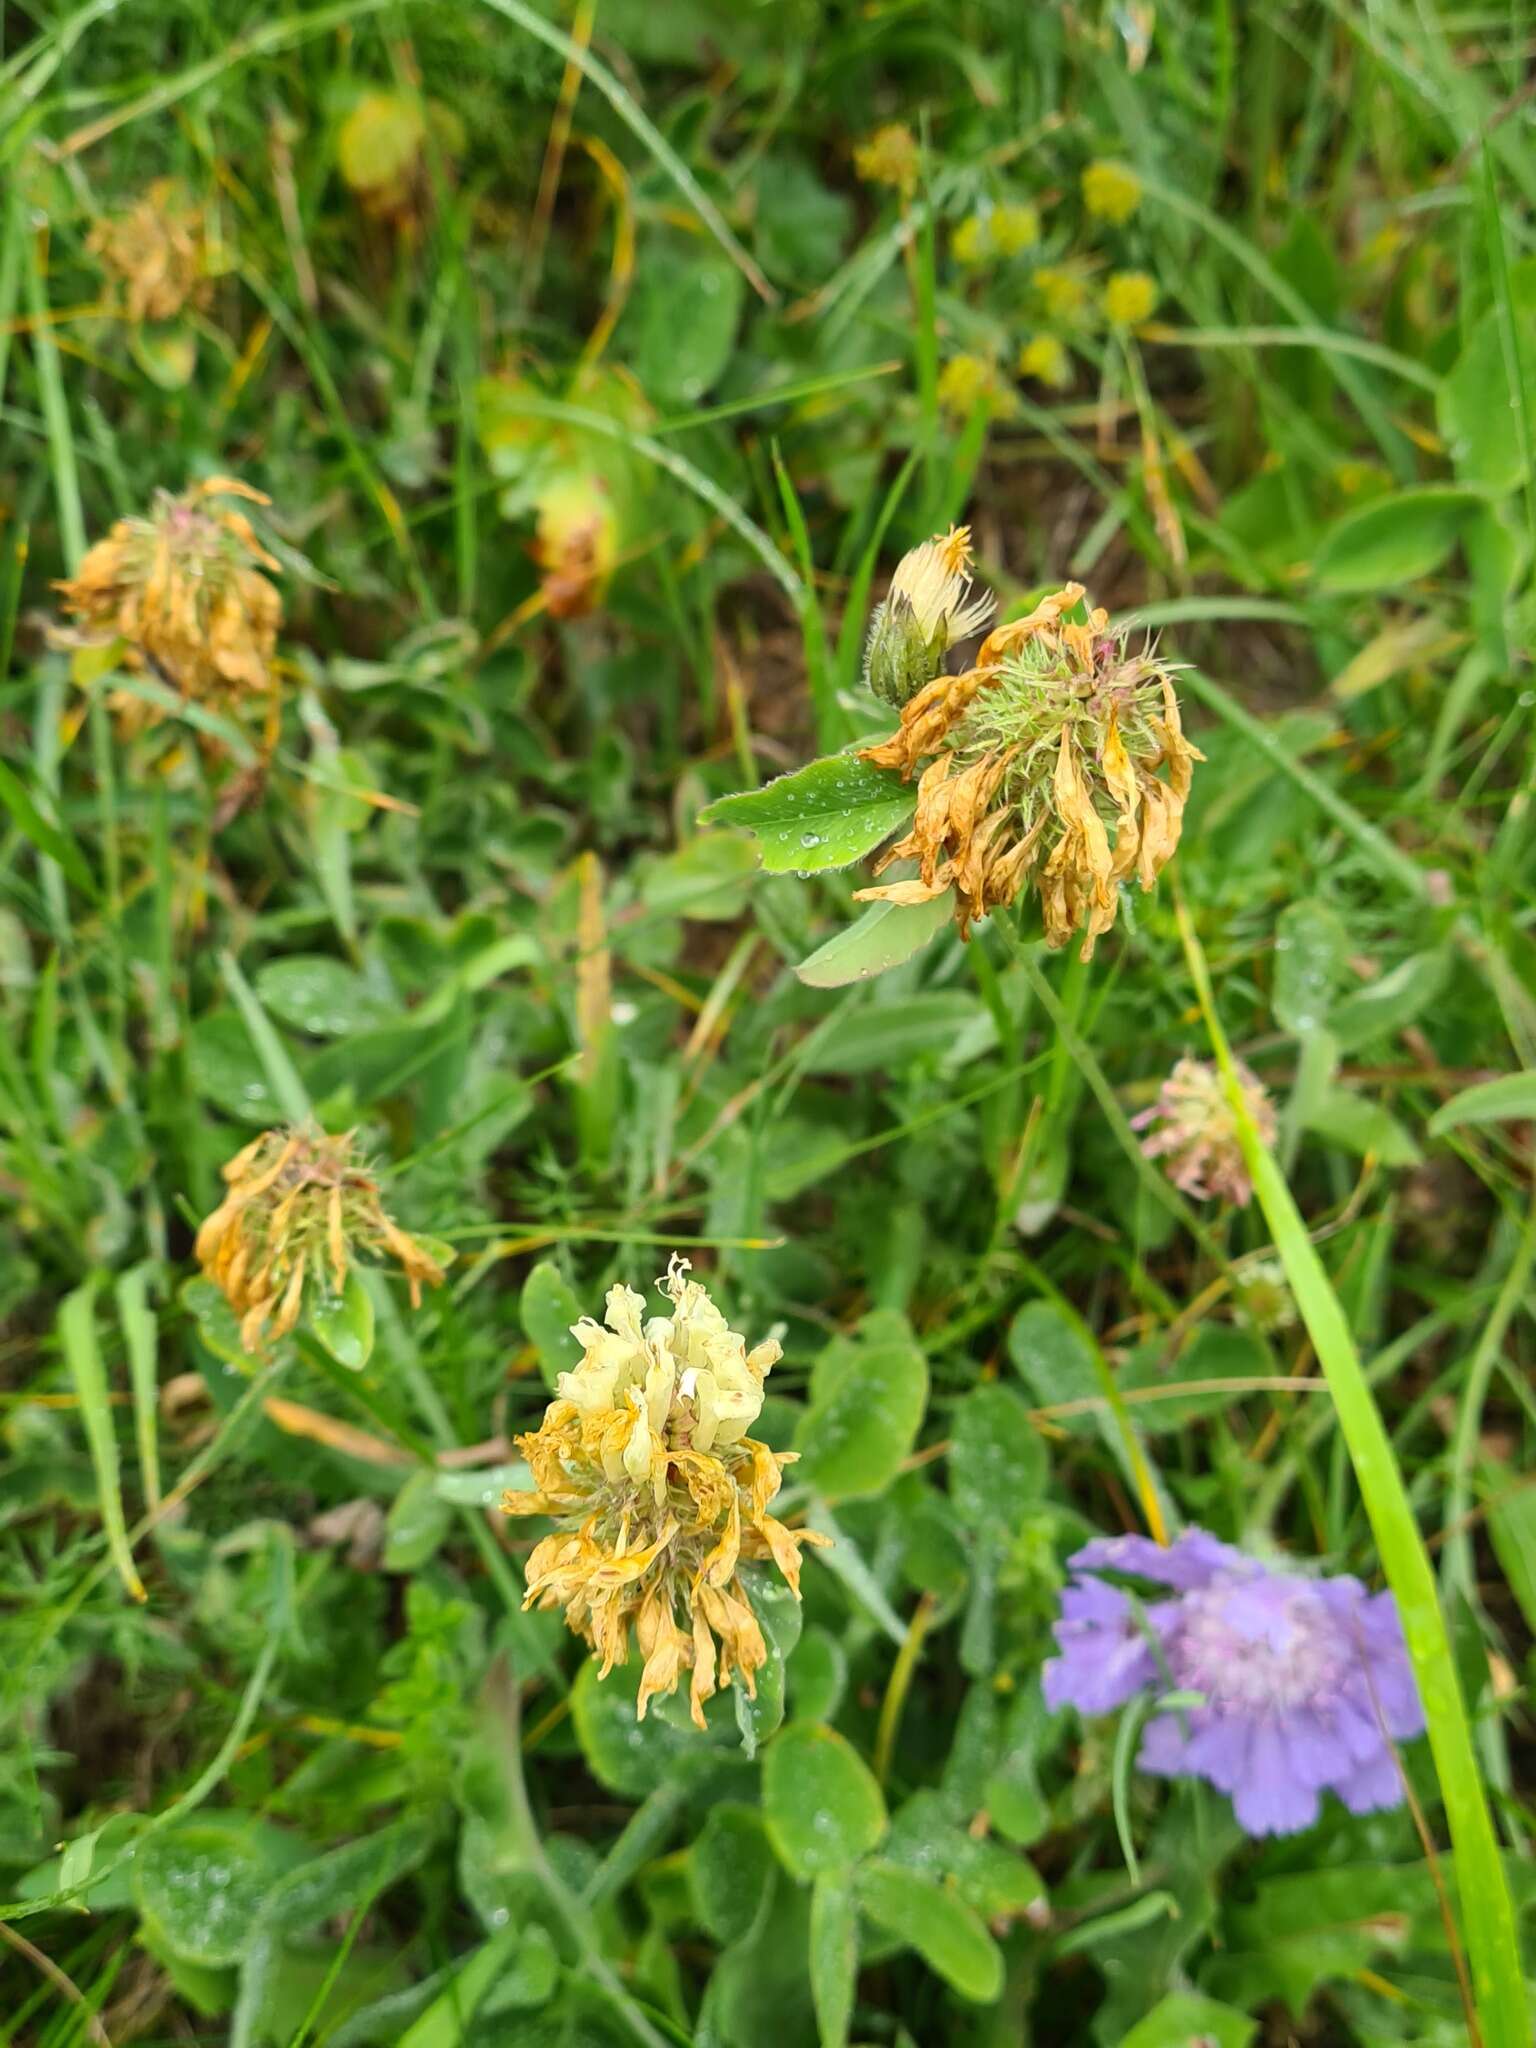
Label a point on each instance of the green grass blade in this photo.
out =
(137, 1320)
(77, 1336)
(282, 1075)
(1487, 1910)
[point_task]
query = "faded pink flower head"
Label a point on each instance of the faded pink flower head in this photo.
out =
(1191, 1125)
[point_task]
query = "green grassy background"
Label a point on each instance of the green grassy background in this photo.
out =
(325, 1783)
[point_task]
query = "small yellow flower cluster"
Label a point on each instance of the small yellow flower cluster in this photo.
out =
(1130, 297)
(644, 1459)
(179, 596)
(1065, 297)
(1111, 191)
(889, 157)
(1055, 736)
(967, 381)
(995, 234)
(300, 1207)
(157, 251)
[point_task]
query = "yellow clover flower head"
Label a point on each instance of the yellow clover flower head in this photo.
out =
(967, 381)
(1045, 358)
(1111, 191)
(1059, 735)
(179, 595)
(999, 231)
(928, 610)
(1130, 297)
(301, 1207)
(889, 157)
(1014, 227)
(156, 250)
(971, 241)
(1063, 290)
(643, 1458)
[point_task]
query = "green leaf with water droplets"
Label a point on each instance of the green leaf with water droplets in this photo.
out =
(826, 815)
(1310, 944)
(344, 1323)
(820, 1800)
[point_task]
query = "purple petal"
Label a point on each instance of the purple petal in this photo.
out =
(1164, 1748)
(1316, 1747)
(1192, 1561)
(1373, 1785)
(1271, 1800)
(1218, 1750)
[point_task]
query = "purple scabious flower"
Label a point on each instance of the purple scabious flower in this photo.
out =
(1305, 1684)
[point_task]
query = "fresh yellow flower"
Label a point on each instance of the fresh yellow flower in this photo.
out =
(967, 381)
(971, 242)
(1057, 735)
(1046, 359)
(1063, 290)
(929, 610)
(644, 1459)
(889, 157)
(1014, 227)
(1130, 297)
(1111, 191)
(300, 1207)
(179, 595)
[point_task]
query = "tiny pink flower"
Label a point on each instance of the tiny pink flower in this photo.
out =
(1192, 1126)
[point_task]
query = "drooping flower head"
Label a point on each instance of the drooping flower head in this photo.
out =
(1059, 733)
(179, 596)
(1192, 1126)
(928, 610)
(1304, 1684)
(156, 250)
(301, 1207)
(644, 1458)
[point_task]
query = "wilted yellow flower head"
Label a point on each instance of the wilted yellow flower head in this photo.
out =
(1045, 358)
(967, 381)
(889, 157)
(1111, 191)
(1130, 297)
(644, 1458)
(1193, 1127)
(301, 1207)
(928, 610)
(179, 596)
(156, 250)
(1063, 289)
(1057, 734)
(576, 542)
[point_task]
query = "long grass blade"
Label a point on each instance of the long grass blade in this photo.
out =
(1487, 1909)
(77, 1336)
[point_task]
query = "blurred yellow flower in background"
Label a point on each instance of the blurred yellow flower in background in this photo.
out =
(178, 595)
(1130, 297)
(1046, 359)
(300, 1207)
(889, 157)
(1111, 191)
